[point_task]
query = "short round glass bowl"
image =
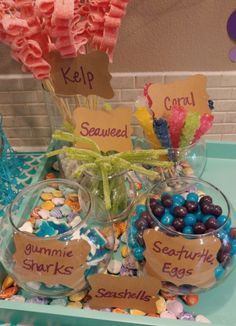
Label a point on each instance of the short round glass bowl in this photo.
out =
(122, 193)
(187, 161)
(121, 185)
(51, 240)
(185, 253)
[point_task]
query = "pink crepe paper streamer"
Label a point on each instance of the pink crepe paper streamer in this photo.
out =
(105, 41)
(206, 122)
(40, 69)
(14, 26)
(145, 93)
(23, 3)
(83, 10)
(45, 7)
(63, 11)
(176, 123)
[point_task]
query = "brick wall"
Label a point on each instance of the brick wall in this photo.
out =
(25, 115)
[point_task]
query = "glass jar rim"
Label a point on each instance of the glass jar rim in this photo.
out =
(99, 177)
(48, 182)
(177, 233)
(201, 141)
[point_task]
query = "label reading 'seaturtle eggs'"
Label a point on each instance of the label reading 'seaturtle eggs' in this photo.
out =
(50, 261)
(110, 130)
(181, 260)
(124, 292)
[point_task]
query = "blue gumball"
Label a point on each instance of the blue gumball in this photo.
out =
(190, 219)
(133, 220)
(192, 196)
(205, 218)
(140, 209)
(138, 253)
(221, 219)
(178, 199)
(227, 225)
(188, 230)
(199, 216)
(221, 234)
(233, 247)
(132, 241)
(167, 219)
(175, 204)
(219, 272)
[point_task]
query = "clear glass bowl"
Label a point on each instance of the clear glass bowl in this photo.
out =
(187, 161)
(50, 251)
(122, 194)
(186, 253)
(122, 189)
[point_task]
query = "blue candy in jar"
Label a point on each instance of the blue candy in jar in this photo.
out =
(191, 216)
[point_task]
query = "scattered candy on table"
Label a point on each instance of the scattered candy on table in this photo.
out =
(167, 304)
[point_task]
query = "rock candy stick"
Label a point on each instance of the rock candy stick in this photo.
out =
(145, 120)
(176, 123)
(160, 128)
(206, 122)
(192, 123)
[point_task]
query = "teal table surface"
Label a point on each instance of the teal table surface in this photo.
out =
(218, 304)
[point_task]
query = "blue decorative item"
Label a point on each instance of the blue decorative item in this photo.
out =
(160, 127)
(10, 169)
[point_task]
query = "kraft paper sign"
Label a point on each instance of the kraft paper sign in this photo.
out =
(189, 93)
(110, 130)
(124, 292)
(179, 260)
(85, 75)
(50, 261)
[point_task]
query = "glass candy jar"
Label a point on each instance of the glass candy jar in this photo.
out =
(181, 232)
(122, 189)
(122, 193)
(187, 161)
(51, 240)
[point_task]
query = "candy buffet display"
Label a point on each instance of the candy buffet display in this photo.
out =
(182, 233)
(52, 240)
(51, 193)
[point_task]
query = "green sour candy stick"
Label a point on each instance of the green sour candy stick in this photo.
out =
(192, 123)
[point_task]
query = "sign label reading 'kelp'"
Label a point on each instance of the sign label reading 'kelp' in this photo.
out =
(84, 75)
